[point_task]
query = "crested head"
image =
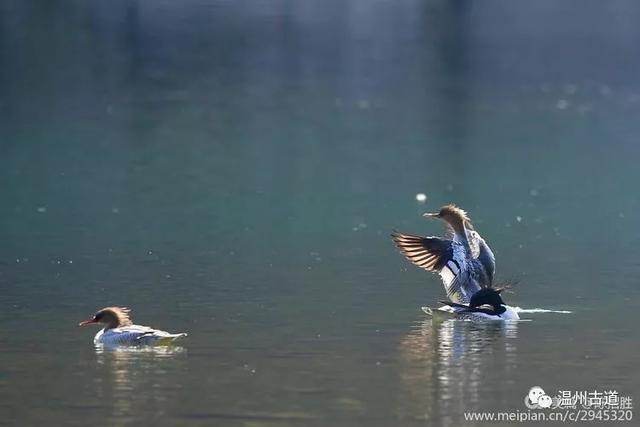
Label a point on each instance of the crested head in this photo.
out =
(111, 317)
(121, 314)
(452, 211)
(454, 216)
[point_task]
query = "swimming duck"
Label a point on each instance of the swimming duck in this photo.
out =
(465, 263)
(119, 330)
(486, 304)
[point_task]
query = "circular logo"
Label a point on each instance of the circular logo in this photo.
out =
(537, 398)
(545, 401)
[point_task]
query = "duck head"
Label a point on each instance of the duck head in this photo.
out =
(452, 215)
(110, 317)
(488, 296)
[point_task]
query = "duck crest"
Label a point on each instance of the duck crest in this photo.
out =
(454, 211)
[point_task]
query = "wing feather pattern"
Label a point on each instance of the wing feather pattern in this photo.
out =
(429, 253)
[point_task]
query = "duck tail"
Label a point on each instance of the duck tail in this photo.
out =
(167, 340)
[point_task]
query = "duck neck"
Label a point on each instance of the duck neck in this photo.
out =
(460, 230)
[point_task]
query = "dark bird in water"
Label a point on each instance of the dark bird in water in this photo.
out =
(465, 263)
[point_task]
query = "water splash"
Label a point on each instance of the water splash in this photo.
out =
(540, 310)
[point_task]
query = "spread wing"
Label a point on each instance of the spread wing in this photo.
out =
(430, 253)
(440, 256)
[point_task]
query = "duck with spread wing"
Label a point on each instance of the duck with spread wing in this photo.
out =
(465, 263)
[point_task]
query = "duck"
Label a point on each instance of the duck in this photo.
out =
(486, 304)
(465, 262)
(119, 330)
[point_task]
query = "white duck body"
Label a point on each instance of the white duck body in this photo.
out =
(134, 335)
(446, 311)
(120, 331)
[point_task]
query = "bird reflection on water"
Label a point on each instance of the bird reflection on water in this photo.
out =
(448, 366)
(138, 375)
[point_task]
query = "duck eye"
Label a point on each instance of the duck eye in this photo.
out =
(98, 316)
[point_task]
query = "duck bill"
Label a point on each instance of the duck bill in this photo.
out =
(431, 215)
(87, 322)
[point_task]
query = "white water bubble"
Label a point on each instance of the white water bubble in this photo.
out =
(359, 226)
(421, 197)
